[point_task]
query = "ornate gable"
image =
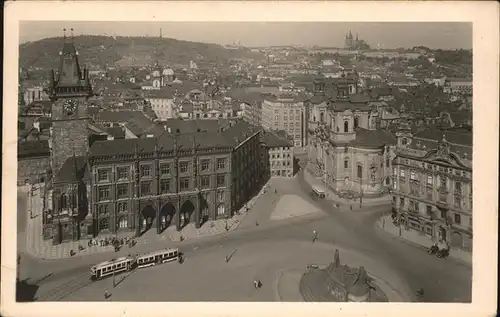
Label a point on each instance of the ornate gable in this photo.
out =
(442, 155)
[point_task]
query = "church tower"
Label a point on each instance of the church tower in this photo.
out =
(69, 91)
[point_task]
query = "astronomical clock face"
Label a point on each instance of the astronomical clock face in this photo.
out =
(69, 107)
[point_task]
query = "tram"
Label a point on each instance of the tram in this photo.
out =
(109, 268)
(157, 257)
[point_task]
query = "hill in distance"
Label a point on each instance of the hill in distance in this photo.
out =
(127, 51)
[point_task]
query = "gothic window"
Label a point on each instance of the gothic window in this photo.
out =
(104, 224)
(164, 186)
(122, 172)
(146, 188)
(103, 209)
(122, 190)
(165, 168)
(360, 171)
(205, 165)
(184, 183)
(63, 202)
(73, 199)
(145, 170)
(183, 167)
(346, 126)
(123, 223)
(356, 122)
(122, 207)
(221, 210)
(221, 180)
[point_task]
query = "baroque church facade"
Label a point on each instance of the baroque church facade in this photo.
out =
(347, 149)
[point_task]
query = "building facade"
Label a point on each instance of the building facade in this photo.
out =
(286, 112)
(277, 155)
(433, 185)
(347, 148)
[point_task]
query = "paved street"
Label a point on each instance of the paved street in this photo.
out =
(442, 279)
(222, 281)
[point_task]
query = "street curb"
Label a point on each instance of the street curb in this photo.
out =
(416, 244)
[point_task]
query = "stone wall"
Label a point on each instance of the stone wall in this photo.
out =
(68, 136)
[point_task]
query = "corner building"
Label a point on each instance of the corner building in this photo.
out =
(141, 184)
(433, 185)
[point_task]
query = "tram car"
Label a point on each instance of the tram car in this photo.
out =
(109, 268)
(157, 257)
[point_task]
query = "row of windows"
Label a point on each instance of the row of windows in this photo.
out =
(414, 206)
(122, 190)
(285, 124)
(443, 181)
(285, 155)
(165, 169)
(285, 118)
(297, 111)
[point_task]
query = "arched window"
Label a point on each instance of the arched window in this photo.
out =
(404, 141)
(360, 171)
(73, 199)
(63, 202)
(221, 210)
(123, 223)
(314, 118)
(321, 117)
(104, 224)
(346, 126)
(356, 122)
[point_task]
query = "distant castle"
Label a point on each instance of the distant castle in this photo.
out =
(355, 44)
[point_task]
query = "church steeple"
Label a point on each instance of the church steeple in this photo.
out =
(70, 78)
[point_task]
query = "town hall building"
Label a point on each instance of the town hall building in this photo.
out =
(112, 186)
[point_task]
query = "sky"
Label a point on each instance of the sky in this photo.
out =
(444, 35)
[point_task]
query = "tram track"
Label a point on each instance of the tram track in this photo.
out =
(60, 292)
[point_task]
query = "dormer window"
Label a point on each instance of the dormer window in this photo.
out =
(404, 141)
(346, 126)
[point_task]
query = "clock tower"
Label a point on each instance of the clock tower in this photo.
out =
(69, 91)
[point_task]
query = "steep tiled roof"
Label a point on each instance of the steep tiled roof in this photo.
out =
(271, 139)
(116, 132)
(74, 169)
(230, 137)
(33, 148)
(193, 126)
(462, 138)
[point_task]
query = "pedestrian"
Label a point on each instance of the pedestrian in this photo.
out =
(106, 295)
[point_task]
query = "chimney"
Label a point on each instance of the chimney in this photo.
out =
(169, 130)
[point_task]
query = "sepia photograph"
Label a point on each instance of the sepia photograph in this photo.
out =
(247, 161)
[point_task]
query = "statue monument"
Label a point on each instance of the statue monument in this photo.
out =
(340, 283)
